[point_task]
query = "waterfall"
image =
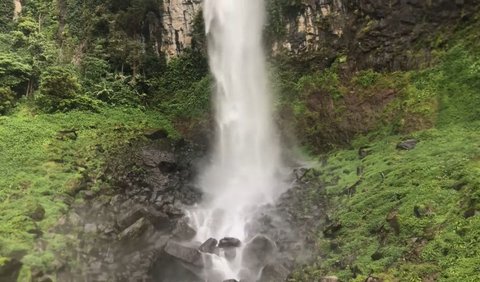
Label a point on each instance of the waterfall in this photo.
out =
(245, 169)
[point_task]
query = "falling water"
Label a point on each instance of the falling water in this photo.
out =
(245, 170)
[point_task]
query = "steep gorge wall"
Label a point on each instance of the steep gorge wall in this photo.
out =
(177, 22)
(388, 35)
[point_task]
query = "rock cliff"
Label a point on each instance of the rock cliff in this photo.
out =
(376, 34)
(177, 22)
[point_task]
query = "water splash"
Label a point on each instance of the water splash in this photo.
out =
(245, 171)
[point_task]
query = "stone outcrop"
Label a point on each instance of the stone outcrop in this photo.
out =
(373, 33)
(177, 22)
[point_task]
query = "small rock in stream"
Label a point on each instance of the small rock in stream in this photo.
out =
(183, 231)
(229, 242)
(209, 246)
(135, 230)
(258, 252)
(230, 253)
(186, 254)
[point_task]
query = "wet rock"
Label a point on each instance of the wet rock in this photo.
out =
(246, 275)
(10, 270)
(258, 252)
(392, 219)
(407, 144)
(37, 213)
(154, 158)
(471, 212)
(230, 253)
(186, 254)
(74, 219)
(90, 228)
(35, 230)
(274, 273)
(135, 230)
(331, 229)
(155, 134)
(363, 152)
(130, 216)
(209, 246)
(183, 231)
(329, 279)
(229, 242)
(158, 219)
(68, 134)
(173, 211)
(88, 195)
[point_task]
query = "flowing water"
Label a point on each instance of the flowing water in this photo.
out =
(245, 170)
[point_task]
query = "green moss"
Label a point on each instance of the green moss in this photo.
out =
(39, 166)
(439, 239)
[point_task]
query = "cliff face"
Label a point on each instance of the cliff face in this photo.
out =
(377, 34)
(177, 22)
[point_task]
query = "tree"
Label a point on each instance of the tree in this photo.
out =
(59, 88)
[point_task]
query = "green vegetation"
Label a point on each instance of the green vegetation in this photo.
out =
(407, 215)
(45, 158)
(78, 81)
(428, 193)
(81, 79)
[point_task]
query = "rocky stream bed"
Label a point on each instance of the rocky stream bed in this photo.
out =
(139, 231)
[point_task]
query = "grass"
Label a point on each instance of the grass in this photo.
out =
(40, 167)
(429, 189)
(409, 215)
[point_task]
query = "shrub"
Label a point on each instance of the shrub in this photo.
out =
(117, 90)
(59, 88)
(366, 78)
(7, 99)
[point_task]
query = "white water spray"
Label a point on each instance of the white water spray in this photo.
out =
(246, 168)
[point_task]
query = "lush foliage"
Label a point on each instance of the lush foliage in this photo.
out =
(42, 165)
(407, 215)
(428, 192)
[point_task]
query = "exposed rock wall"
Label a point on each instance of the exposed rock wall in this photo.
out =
(18, 8)
(379, 34)
(177, 22)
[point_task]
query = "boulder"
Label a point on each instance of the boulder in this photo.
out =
(37, 213)
(407, 144)
(209, 246)
(90, 228)
(156, 134)
(230, 253)
(363, 152)
(135, 230)
(130, 216)
(274, 273)
(157, 158)
(392, 219)
(258, 252)
(186, 254)
(10, 270)
(331, 230)
(183, 231)
(229, 242)
(158, 219)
